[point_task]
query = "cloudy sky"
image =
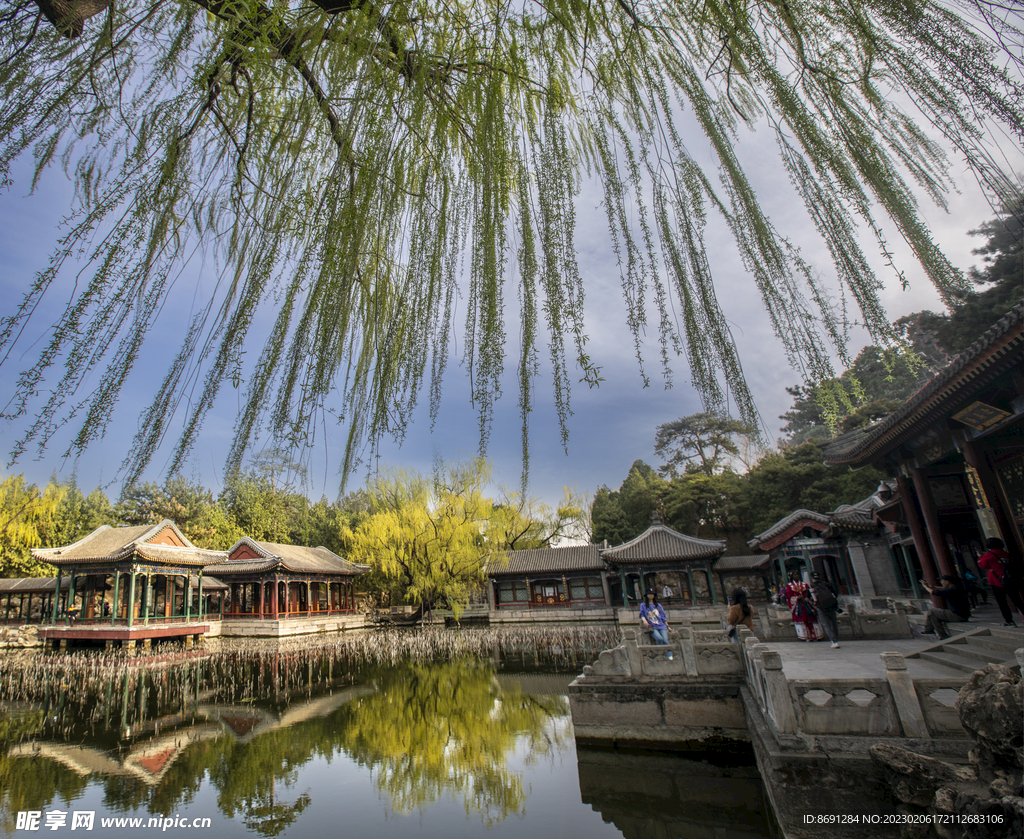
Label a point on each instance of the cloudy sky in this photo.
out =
(611, 426)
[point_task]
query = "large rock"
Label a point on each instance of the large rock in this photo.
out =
(914, 778)
(991, 709)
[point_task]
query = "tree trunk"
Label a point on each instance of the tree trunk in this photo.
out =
(69, 16)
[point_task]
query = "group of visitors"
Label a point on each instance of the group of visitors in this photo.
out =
(814, 606)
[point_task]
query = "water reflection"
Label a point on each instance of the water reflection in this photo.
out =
(248, 723)
(446, 728)
(274, 733)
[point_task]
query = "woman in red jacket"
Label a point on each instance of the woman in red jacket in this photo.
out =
(1005, 585)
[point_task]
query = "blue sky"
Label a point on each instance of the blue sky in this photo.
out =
(612, 425)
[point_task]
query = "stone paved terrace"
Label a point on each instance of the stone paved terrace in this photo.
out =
(862, 659)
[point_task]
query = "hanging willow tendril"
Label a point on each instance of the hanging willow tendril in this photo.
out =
(345, 161)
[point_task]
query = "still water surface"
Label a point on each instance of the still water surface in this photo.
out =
(385, 735)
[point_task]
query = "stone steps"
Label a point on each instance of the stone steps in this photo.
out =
(973, 649)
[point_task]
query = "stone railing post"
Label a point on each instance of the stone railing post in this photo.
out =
(751, 656)
(851, 610)
(686, 644)
(904, 695)
(636, 667)
(902, 622)
(780, 703)
(1019, 653)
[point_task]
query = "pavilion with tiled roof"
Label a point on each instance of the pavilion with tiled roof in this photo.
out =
(676, 566)
(269, 581)
(842, 546)
(956, 448)
(570, 576)
(125, 583)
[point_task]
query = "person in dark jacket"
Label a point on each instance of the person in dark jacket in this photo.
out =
(957, 602)
(826, 602)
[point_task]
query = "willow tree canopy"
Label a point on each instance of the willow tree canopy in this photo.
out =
(359, 165)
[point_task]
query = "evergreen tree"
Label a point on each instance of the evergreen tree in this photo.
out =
(999, 286)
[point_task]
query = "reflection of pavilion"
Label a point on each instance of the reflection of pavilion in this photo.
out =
(149, 760)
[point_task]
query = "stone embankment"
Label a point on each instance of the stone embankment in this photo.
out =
(893, 751)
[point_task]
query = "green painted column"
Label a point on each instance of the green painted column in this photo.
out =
(117, 591)
(147, 590)
(131, 600)
(689, 580)
(201, 610)
(71, 597)
(188, 596)
(711, 584)
(56, 599)
(625, 596)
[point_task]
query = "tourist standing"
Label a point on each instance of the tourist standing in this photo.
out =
(826, 602)
(739, 612)
(957, 601)
(798, 598)
(653, 619)
(1005, 587)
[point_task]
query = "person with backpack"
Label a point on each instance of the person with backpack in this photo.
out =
(827, 605)
(996, 561)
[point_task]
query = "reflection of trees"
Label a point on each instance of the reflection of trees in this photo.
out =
(433, 727)
(448, 727)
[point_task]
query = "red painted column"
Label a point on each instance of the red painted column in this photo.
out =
(931, 520)
(917, 531)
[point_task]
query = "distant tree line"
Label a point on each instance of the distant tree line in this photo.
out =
(427, 539)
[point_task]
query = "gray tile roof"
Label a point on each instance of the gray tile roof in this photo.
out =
(173, 555)
(1000, 349)
(750, 562)
(660, 543)
(850, 517)
(27, 585)
(111, 544)
(549, 561)
(296, 558)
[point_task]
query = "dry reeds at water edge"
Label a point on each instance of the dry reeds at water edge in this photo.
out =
(558, 645)
(569, 646)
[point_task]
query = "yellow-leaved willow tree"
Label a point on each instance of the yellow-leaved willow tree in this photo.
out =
(27, 516)
(362, 173)
(426, 533)
(430, 538)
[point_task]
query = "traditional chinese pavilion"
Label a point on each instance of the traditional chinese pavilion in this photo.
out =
(844, 546)
(676, 566)
(272, 582)
(956, 448)
(128, 584)
(549, 578)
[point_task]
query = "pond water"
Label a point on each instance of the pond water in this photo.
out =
(422, 734)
